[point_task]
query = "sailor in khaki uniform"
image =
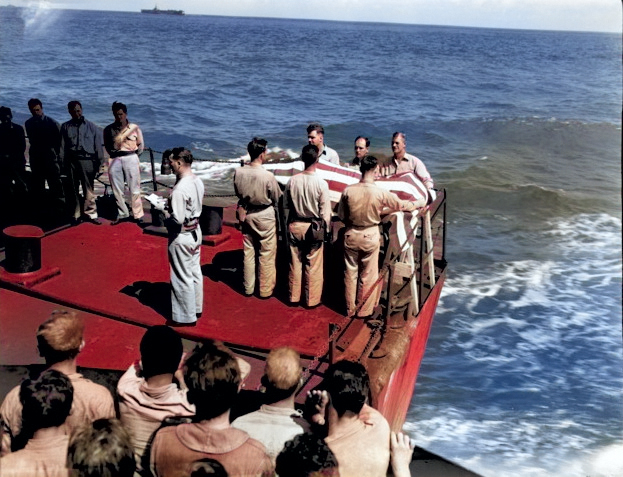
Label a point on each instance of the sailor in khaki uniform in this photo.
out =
(307, 198)
(182, 220)
(360, 209)
(259, 195)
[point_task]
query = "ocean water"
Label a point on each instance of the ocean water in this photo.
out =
(523, 374)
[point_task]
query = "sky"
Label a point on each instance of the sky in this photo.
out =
(578, 15)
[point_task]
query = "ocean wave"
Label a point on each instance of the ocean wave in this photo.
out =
(533, 347)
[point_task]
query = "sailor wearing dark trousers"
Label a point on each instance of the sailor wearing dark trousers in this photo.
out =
(182, 221)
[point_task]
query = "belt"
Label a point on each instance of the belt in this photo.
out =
(361, 227)
(191, 225)
(251, 209)
(122, 154)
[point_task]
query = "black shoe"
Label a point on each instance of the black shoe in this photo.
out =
(94, 221)
(177, 324)
(74, 221)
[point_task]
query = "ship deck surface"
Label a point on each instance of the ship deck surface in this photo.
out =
(122, 273)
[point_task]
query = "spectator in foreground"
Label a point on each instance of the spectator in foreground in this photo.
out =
(40, 447)
(307, 455)
(59, 341)
(213, 378)
(147, 393)
(358, 434)
(277, 421)
(101, 449)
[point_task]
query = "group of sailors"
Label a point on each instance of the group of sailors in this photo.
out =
(309, 218)
(69, 157)
(75, 150)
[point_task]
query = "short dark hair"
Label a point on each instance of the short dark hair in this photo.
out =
(256, 147)
(73, 103)
(116, 106)
(368, 163)
(101, 448)
(32, 102)
(315, 127)
(207, 468)
(212, 376)
(5, 113)
(161, 351)
(309, 155)
(182, 153)
(366, 139)
(348, 385)
(305, 455)
(46, 402)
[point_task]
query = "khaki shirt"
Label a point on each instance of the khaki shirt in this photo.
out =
(307, 196)
(256, 186)
(409, 163)
(361, 204)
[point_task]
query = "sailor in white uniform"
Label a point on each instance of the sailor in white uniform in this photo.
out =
(182, 220)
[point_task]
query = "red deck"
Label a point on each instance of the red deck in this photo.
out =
(121, 273)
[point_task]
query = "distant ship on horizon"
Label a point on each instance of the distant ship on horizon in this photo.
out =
(157, 11)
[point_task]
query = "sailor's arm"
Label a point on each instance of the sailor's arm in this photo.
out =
(391, 201)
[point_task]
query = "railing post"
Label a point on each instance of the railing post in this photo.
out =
(153, 169)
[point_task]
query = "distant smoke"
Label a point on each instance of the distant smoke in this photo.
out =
(39, 17)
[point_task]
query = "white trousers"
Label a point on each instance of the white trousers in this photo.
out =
(126, 169)
(186, 277)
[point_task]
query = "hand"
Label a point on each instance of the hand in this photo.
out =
(401, 454)
(320, 399)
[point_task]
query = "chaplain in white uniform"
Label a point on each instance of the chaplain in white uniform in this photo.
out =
(182, 220)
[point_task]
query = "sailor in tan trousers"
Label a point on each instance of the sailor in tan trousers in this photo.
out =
(259, 195)
(360, 209)
(307, 198)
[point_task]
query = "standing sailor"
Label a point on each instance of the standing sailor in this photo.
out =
(182, 221)
(362, 148)
(124, 142)
(307, 197)
(360, 209)
(404, 162)
(315, 137)
(44, 135)
(259, 195)
(82, 153)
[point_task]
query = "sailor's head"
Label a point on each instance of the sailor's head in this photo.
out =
(315, 134)
(36, 107)
(161, 351)
(5, 114)
(362, 147)
(213, 378)
(119, 111)
(181, 158)
(60, 337)
(306, 455)
(46, 400)
(75, 109)
(282, 375)
(309, 155)
(368, 163)
(256, 147)
(101, 447)
(399, 143)
(348, 386)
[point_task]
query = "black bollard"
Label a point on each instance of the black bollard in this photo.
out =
(23, 248)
